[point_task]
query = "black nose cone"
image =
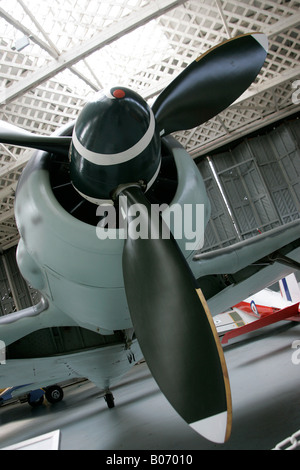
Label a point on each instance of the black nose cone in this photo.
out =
(115, 141)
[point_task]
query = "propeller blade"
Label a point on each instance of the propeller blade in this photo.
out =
(173, 325)
(211, 83)
(13, 135)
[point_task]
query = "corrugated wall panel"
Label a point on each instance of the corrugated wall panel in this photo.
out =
(220, 231)
(260, 179)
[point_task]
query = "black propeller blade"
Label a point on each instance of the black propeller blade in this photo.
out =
(211, 83)
(173, 326)
(13, 135)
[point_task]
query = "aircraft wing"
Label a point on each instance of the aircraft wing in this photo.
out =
(290, 312)
(103, 366)
(229, 275)
(23, 322)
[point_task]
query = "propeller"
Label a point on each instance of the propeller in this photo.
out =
(211, 83)
(14, 135)
(116, 141)
(172, 323)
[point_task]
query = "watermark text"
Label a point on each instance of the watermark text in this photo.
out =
(2, 353)
(296, 93)
(185, 222)
(296, 353)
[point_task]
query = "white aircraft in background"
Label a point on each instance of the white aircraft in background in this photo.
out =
(261, 309)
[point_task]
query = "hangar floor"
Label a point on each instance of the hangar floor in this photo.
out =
(265, 393)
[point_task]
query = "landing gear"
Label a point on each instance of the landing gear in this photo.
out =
(35, 398)
(109, 398)
(54, 394)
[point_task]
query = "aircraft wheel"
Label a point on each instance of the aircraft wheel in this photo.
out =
(54, 394)
(109, 398)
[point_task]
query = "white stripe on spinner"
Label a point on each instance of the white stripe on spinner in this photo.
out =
(108, 94)
(116, 158)
(109, 202)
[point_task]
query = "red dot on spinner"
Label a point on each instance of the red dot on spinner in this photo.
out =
(119, 93)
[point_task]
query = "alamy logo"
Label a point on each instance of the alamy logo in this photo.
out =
(2, 353)
(296, 354)
(296, 94)
(186, 222)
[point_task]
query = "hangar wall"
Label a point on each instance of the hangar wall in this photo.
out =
(15, 293)
(260, 181)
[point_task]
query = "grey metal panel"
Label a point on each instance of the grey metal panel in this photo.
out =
(278, 155)
(220, 231)
(18, 285)
(15, 292)
(244, 187)
(7, 303)
(260, 179)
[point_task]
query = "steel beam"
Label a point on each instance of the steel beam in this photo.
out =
(155, 9)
